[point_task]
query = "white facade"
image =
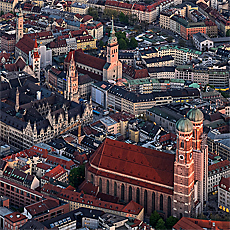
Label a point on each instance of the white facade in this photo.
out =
(202, 42)
(215, 177)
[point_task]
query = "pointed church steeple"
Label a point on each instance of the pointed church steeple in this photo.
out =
(112, 38)
(113, 68)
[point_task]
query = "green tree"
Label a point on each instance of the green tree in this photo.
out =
(133, 43)
(77, 176)
(160, 224)
(181, 42)
(170, 222)
(154, 218)
(93, 12)
(101, 43)
(228, 33)
(2, 13)
(120, 35)
(123, 18)
(122, 44)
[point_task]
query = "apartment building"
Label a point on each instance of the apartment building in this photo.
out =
(159, 61)
(180, 25)
(216, 172)
(181, 55)
(136, 104)
(8, 5)
(218, 77)
(79, 8)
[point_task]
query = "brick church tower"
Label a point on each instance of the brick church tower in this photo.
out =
(36, 61)
(200, 156)
(72, 92)
(19, 26)
(113, 67)
(183, 197)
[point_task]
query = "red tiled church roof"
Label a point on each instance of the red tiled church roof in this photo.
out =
(86, 59)
(134, 164)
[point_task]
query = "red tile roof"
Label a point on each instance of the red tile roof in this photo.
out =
(89, 199)
(186, 223)
(15, 217)
(43, 166)
(122, 116)
(42, 206)
(86, 59)
(87, 18)
(25, 167)
(55, 173)
(219, 165)
(69, 164)
(126, 161)
(88, 188)
(25, 44)
(225, 184)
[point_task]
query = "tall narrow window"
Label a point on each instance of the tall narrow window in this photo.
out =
(122, 192)
(153, 201)
(130, 193)
(138, 196)
(92, 178)
(161, 202)
(169, 206)
(100, 185)
(107, 187)
(145, 201)
(115, 189)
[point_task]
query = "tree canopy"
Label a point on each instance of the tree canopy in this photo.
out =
(77, 176)
(154, 218)
(160, 224)
(171, 221)
(228, 33)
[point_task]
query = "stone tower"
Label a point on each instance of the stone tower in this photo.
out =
(36, 61)
(113, 67)
(17, 101)
(72, 93)
(183, 197)
(200, 156)
(19, 26)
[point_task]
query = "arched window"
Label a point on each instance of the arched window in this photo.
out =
(169, 206)
(130, 193)
(145, 200)
(182, 144)
(153, 201)
(100, 185)
(122, 192)
(92, 178)
(161, 202)
(107, 187)
(115, 189)
(138, 196)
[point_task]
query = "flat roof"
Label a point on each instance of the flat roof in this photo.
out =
(108, 121)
